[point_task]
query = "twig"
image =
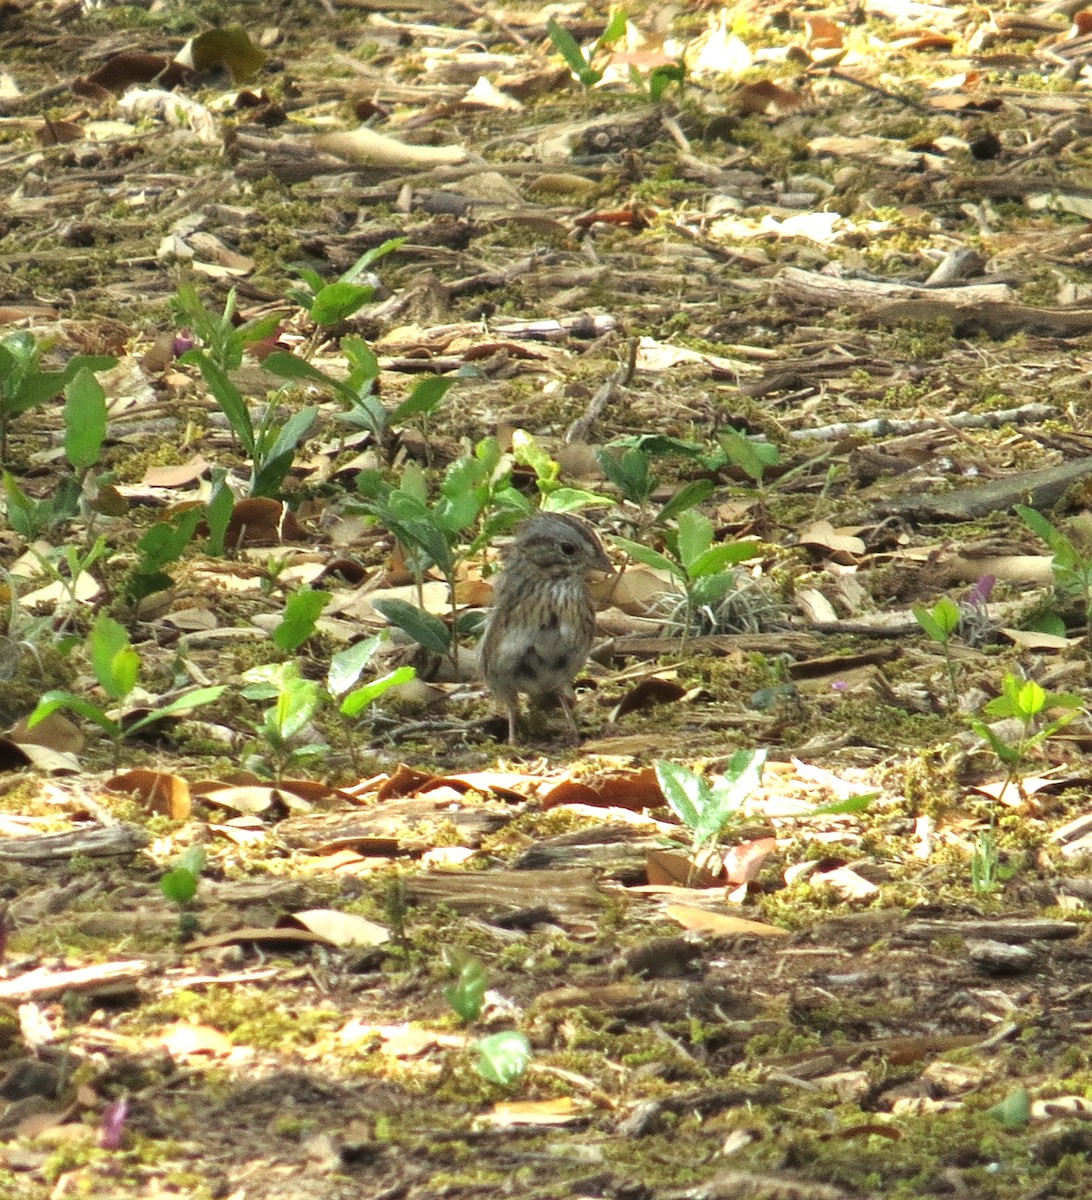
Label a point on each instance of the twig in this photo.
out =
(578, 430)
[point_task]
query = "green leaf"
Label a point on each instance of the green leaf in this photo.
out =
(289, 366)
(530, 454)
(566, 45)
(54, 700)
(941, 621)
(356, 701)
(424, 398)
(694, 537)
(629, 472)
(226, 394)
(697, 491)
(179, 886)
(370, 257)
(686, 792)
(503, 1057)
(180, 704)
(338, 301)
(751, 456)
(1014, 1112)
(650, 558)
(218, 512)
(346, 665)
(84, 420)
(851, 804)
(727, 794)
(716, 558)
(300, 614)
(662, 77)
(467, 994)
(423, 627)
(616, 28)
(567, 499)
(270, 468)
(116, 664)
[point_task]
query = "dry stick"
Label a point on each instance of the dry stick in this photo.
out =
(578, 430)
(907, 100)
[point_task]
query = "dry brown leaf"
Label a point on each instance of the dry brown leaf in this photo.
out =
(159, 791)
(720, 923)
(185, 1040)
(508, 1113)
(340, 928)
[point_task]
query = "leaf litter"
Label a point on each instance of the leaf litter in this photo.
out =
(853, 238)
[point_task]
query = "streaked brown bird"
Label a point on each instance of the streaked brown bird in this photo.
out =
(542, 622)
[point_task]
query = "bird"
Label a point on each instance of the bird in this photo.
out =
(542, 623)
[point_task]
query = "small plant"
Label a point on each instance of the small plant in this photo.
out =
(159, 547)
(628, 465)
(986, 870)
(179, 885)
(467, 994)
(476, 502)
(502, 1058)
(1024, 701)
(556, 497)
(271, 446)
(364, 409)
(1071, 566)
(940, 622)
(705, 806)
(328, 304)
(25, 385)
(295, 700)
(346, 668)
(699, 567)
(117, 667)
(580, 63)
(223, 340)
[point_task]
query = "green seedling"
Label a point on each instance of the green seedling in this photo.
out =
(218, 512)
(328, 304)
(476, 502)
(85, 431)
(271, 446)
(116, 665)
(940, 622)
(1070, 565)
(555, 496)
(346, 668)
(467, 994)
(25, 385)
(699, 567)
(364, 408)
(301, 613)
(502, 1058)
(707, 806)
(629, 467)
(987, 873)
(1025, 701)
(159, 547)
(750, 455)
(31, 518)
(578, 62)
(223, 341)
(295, 700)
(179, 885)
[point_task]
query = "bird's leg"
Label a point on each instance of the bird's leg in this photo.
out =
(513, 721)
(566, 702)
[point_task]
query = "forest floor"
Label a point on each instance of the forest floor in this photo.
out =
(804, 330)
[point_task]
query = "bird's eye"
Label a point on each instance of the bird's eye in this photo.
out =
(568, 549)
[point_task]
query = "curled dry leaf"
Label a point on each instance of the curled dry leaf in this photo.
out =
(365, 145)
(159, 791)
